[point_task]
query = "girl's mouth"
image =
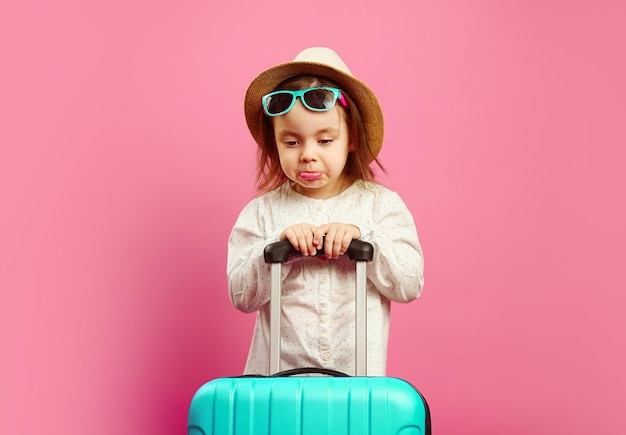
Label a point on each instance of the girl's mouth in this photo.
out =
(310, 175)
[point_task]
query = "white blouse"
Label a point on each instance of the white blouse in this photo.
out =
(318, 316)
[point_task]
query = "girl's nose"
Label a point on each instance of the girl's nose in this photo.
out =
(308, 152)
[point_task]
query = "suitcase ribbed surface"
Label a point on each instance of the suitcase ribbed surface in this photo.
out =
(308, 406)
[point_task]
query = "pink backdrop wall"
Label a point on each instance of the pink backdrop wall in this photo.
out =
(124, 160)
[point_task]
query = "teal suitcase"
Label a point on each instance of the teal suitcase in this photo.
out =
(310, 401)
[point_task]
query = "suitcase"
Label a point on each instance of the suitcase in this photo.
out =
(310, 401)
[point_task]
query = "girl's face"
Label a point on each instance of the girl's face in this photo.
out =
(313, 149)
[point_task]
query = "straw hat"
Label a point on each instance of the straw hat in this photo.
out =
(323, 62)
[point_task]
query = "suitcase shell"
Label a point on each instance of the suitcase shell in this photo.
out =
(283, 404)
(308, 406)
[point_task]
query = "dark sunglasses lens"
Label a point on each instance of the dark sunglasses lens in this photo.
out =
(319, 99)
(278, 103)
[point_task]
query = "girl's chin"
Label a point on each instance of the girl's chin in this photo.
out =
(317, 192)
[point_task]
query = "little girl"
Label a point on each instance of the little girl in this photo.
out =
(318, 129)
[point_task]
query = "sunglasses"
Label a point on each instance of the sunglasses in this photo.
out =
(317, 99)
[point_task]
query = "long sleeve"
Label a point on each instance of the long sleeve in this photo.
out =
(248, 274)
(397, 268)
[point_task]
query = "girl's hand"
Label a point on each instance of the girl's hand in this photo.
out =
(301, 237)
(338, 238)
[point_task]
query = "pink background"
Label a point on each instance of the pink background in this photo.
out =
(124, 160)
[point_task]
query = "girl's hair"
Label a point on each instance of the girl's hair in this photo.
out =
(270, 174)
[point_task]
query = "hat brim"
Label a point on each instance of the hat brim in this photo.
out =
(361, 94)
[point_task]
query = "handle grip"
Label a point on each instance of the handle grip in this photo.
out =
(281, 252)
(309, 371)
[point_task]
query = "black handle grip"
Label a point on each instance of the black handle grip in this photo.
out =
(309, 371)
(281, 252)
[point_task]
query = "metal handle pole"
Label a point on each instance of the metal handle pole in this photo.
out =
(361, 319)
(275, 295)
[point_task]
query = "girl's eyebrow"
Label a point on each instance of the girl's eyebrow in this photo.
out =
(287, 132)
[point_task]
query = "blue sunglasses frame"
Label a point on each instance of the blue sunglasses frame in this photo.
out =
(337, 96)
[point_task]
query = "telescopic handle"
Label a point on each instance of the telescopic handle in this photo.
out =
(278, 253)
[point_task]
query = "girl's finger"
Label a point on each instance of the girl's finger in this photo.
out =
(318, 235)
